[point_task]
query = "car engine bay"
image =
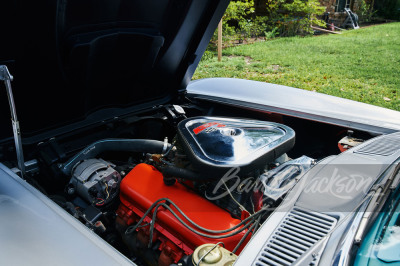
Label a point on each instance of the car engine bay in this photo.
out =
(122, 158)
(173, 184)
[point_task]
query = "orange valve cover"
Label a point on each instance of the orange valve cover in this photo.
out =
(144, 185)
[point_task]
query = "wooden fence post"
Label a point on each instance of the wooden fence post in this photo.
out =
(219, 44)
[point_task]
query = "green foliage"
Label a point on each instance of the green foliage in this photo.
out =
(236, 18)
(271, 34)
(252, 28)
(295, 17)
(366, 12)
(273, 7)
(238, 10)
(208, 55)
(301, 15)
(285, 18)
(309, 8)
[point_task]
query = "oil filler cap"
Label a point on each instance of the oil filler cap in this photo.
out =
(213, 254)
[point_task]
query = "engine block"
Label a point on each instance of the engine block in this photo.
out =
(144, 185)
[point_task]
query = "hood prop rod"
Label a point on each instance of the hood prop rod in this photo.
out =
(7, 78)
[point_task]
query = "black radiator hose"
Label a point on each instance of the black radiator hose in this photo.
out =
(130, 145)
(169, 171)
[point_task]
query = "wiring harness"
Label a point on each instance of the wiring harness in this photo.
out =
(252, 222)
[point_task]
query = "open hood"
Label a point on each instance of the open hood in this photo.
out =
(75, 61)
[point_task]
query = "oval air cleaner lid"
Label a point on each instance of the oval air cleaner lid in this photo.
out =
(218, 143)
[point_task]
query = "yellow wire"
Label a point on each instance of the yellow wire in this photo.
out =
(108, 194)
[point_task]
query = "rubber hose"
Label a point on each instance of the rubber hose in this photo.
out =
(173, 171)
(130, 145)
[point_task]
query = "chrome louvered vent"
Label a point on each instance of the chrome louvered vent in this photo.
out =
(297, 233)
(385, 146)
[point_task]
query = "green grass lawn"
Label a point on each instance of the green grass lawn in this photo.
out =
(362, 65)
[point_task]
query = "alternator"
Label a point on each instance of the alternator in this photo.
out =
(96, 181)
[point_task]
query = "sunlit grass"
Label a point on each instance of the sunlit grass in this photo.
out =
(362, 65)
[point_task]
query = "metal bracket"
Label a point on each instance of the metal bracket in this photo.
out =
(7, 78)
(5, 74)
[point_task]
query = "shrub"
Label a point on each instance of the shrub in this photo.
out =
(236, 17)
(285, 18)
(366, 12)
(289, 18)
(301, 16)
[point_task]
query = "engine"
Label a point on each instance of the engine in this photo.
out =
(175, 233)
(203, 192)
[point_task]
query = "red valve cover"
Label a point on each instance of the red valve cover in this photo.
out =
(144, 185)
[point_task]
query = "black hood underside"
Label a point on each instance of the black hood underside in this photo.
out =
(71, 58)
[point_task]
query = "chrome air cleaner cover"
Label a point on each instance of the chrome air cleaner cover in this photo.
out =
(218, 143)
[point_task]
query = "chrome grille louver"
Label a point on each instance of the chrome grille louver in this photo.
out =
(296, 234)
(384, 146)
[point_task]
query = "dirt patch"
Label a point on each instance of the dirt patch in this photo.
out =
(247, 59)
(231, 41)
(276, 67)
